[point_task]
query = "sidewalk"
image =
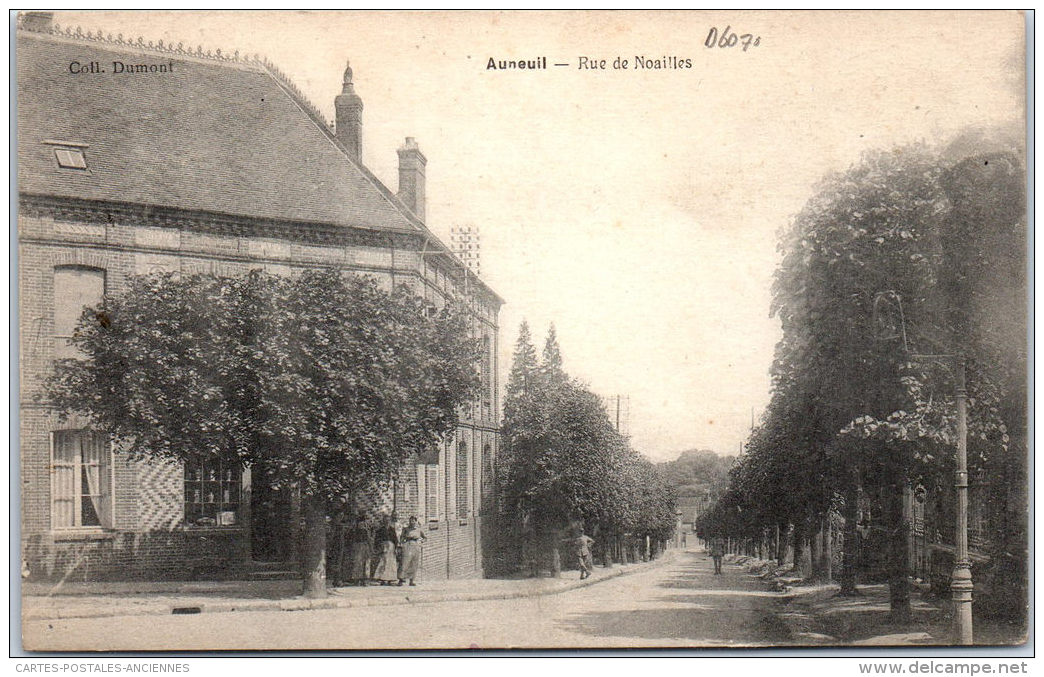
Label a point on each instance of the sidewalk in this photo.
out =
(91, 600)
(818, 616)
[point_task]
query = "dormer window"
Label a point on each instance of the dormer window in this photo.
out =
(69, 155)
(70, 158)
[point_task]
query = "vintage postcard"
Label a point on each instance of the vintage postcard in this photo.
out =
(710, 330)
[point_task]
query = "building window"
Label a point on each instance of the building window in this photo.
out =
(487, 375)
(488, 479)
(431, 492)
(81, 480)
(70, 158)
(211, 493)
(74, 288)
(463, 493)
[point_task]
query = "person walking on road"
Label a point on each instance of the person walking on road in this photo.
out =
(717, 551)
(411, 539)
(583, 554)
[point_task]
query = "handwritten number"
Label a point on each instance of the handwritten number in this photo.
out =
(727, 39)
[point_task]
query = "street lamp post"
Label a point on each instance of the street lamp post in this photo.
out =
(961, 580)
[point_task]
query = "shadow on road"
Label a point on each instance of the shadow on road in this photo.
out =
(728, 610)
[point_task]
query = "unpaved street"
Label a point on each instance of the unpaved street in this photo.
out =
(679, 604)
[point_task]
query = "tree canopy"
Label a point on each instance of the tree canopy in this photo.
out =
(324, 379)
(565, 462)
(893, 272)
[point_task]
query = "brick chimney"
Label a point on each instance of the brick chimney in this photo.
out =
(411, 176)
(38, 22)
(349, 116)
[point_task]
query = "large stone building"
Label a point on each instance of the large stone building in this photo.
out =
(135, 158)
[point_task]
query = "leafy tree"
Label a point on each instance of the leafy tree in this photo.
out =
(910, 252)
(698, 473)
(324, 380)
(567, 464)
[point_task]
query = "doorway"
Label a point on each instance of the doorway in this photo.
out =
(272, 510)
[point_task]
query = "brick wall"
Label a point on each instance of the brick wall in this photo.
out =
(178, 554)
(147, 539)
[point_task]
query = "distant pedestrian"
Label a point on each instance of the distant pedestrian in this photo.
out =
(683, 539)
(386, 568)
(583, 554)
(717, 551)
(412, 552)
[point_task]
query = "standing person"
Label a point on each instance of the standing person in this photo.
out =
(717, 552)
(385, 541)
(360, 551)
(583, 554)
(412, 552)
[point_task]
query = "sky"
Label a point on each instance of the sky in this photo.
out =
(637, 210)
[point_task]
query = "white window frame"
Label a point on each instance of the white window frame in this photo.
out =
(110, 476)
(71, 158)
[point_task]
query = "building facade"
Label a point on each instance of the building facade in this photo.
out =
(206, 163)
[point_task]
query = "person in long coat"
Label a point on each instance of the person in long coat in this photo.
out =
(360, 551)
(717, 551)
(385, 541)
(412, 552)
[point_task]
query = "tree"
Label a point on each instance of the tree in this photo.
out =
(324, 380)
(909, 252)
(698, 473)
(523, 365)
(567, 465)
(552, 360)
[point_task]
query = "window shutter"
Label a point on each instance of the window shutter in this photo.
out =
(431, 486)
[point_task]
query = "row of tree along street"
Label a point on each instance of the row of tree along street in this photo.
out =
(566, 468)
(899, 277)
(330, 385)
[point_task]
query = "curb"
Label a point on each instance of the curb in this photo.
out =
(332, 602)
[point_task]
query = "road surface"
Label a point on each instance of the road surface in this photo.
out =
(681, 604)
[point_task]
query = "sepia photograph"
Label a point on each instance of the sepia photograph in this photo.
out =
(710, 332)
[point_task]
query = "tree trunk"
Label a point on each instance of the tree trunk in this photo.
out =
(799, 545)
(899, 580)
(815, 541)
(849, 552)
(313, 561)
(556, 556)
(826, 551)
(782, 533)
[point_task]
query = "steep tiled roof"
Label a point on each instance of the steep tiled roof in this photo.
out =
(224, 137)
